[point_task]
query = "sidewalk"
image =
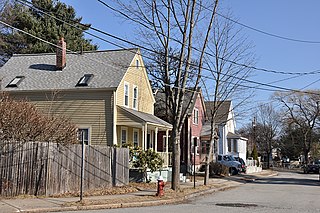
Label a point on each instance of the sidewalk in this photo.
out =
(145, 197)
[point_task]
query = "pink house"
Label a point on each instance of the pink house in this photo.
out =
(190, 144)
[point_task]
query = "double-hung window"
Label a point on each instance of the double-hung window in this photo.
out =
(126, 94)
(135, 97)
(235, 145)
(124, 135)
(135, 138)
(195, 116)
(83, 136)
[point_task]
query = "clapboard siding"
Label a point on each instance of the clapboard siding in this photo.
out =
(137, 77)
(93, 109)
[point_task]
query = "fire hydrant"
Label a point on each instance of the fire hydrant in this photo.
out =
(160, 190)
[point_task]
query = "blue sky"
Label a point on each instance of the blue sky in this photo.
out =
(288, 18)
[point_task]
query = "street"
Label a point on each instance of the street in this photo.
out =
(287, 192)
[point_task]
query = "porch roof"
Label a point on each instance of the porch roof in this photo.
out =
(235, 136)
(134, 116)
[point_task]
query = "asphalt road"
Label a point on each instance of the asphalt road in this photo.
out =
(287, 192)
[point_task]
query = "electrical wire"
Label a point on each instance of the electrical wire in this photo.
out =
(221, 58)
(254, 82)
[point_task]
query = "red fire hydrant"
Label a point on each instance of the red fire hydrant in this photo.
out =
(160, 190)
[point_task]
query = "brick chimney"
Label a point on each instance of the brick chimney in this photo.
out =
(61, 54)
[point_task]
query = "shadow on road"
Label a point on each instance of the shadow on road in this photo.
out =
(288, 181)
(304, 179)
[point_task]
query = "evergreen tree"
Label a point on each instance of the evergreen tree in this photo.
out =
(255, 154)
(38, 24)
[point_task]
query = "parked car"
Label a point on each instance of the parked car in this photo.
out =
(312, 167)
(229, 161)
(243, 164)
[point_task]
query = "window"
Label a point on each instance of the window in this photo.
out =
(235, 145)
(229, 145)
(195, 116)
(164, 143)
(205, 147)
(137, 64)
(135, 97)
(16, 81)
(126, 94)
(83, 136)
(135, 138)
(84, 80)
(195, 146)
(124, 135)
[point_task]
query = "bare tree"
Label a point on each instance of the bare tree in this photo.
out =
(267, 129)
(228, 49)
(302, 110)
(183, 26)
(21, 122)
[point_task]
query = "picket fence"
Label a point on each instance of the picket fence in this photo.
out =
(48, 168)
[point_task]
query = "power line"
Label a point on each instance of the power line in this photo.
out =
(151, 50)
(250, 81)
(109, 64)
(264, 32)
(221, 58)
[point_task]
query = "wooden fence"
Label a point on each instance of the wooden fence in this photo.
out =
(48, 168)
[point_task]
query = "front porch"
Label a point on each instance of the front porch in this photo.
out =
(141, 129)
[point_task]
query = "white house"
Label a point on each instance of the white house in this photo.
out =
(228, 142)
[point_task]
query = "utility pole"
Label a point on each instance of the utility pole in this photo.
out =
(254, 132)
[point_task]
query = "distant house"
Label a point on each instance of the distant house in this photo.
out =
(107, 94)
(228, 142)
(191, 131)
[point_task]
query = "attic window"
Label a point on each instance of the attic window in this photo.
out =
(84, 80)
(16, 81)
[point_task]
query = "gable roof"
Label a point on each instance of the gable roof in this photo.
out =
(223, 111)
(221, 117)
(40, 73)
(160, 105)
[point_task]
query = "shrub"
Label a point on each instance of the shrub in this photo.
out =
(145, 159)
(218, 169)
(20, 122)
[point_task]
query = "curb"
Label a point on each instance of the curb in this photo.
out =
(133, 204)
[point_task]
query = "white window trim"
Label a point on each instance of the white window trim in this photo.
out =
(197, 147)
(89, 132)
(126, 129)
(136, 107)
(164, 140)
(194, 114)
(137, 131)
(124, 94)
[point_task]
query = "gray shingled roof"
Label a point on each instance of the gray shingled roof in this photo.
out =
(149, 118)
(222, 112)
(108, 68)
(222, 115)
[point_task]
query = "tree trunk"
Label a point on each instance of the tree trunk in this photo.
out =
(208, 160)
(208, 157)
(175, 184)
(268, 160)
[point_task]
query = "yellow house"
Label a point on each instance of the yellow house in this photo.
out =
(107, 94)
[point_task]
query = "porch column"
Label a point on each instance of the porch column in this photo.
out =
(156, 139)
(167, 146)
(145, 136)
